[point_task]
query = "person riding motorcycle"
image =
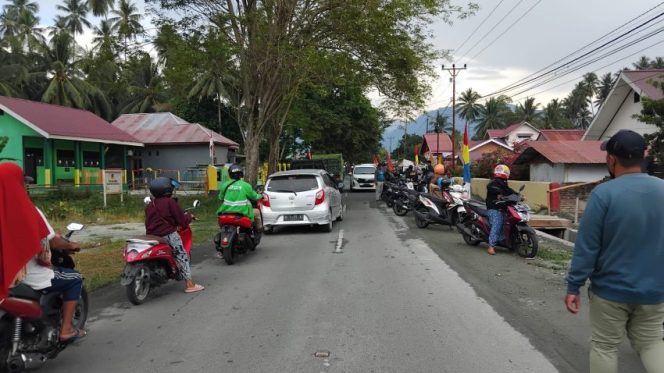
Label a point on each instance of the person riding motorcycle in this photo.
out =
(439, 181)
(163, 217)
(236, 195)
(497, 189)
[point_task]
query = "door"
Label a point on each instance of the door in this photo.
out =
(335, 197)
(33, 157)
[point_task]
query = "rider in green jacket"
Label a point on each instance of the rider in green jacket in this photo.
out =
(236, 195)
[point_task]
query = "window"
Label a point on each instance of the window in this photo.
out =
(292, 183)
(65, 158)
(364, 170)
(637, 97)
(524, 135)
(91, 159)
(114, 156)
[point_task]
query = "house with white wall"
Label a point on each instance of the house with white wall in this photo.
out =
(515, 133)
(624, 102)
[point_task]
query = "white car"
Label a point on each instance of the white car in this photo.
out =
(301, 197)
(363, 177)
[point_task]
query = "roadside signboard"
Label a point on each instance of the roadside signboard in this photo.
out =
(112, 182)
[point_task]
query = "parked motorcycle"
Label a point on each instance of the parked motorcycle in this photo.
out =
(236, 235)
(429, 209)
(30, 320)
(389, 190)
(517, 235)
(404, 199)
(149, 262)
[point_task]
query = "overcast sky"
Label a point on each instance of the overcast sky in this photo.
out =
(551, 30)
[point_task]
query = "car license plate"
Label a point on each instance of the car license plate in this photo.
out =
(366, 185)
(293, 217)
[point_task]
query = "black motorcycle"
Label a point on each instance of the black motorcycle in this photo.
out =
(30, 320)
(237, 235)
(404, 199)
(387, 195)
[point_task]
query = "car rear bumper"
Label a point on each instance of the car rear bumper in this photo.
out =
(318, 216)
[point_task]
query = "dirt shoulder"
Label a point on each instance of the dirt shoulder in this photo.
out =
(527, 293)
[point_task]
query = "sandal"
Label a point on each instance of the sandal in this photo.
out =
(78, 334)
(194, 288)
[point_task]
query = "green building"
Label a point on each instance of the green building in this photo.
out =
(58, 145)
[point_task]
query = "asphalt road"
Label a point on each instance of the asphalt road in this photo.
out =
(397, 299)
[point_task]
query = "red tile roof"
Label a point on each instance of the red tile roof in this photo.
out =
(579, 152)
(555, 135)
(166, 128)
(642, 80)
(444, 143)
(59, 122)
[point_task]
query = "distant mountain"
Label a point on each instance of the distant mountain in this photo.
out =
(419, 127)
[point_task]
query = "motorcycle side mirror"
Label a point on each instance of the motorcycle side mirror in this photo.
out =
(196, 203)
(147, 200)
(74, 227)
(522, 188)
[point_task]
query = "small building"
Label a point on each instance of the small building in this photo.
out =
(435, 144)
(478, 148)
(560, 134)
(564, 161)
(624, 101)
(172, 143)
(515, 133)
(61, 145)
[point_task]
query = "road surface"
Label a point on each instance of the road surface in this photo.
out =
(396, 299)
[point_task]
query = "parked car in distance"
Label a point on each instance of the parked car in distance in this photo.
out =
(301, 197)
(363, 177)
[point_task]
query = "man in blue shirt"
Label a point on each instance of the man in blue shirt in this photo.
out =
(379, 179)
(620, 248)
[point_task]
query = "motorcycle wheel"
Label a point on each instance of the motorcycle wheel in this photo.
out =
(399, 209)
(389, 202)
(421, 223)
(139, 288)
(526, 245)
(229, 254)
(469, 240)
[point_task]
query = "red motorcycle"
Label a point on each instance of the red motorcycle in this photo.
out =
(30, 320)
(149, 262)
(517, 235)
(236, 235)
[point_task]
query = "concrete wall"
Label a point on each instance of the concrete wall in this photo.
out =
(547, 172)
(15, 131)
(180, 157)
(576, 173)
(537, 196)
(624, 120)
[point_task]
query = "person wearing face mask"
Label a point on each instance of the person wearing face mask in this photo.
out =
(620, 248)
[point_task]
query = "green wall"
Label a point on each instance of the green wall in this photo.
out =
(15, 130)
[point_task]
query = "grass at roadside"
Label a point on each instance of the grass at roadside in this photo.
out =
(101, 261)
(553, 256)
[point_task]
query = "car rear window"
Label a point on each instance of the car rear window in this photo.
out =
(364, 170)
(292, 183)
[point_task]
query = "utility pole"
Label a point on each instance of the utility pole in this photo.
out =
(454, 71)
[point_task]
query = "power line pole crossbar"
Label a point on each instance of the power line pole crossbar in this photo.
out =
(454, 71)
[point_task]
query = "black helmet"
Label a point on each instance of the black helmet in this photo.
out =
(161, 187)
(235, 172)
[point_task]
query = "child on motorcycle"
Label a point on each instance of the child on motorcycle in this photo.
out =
(163, 216)
(439, 181)
(497, 189)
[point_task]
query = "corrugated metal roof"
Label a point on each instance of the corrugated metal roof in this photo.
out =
(642, 79)
(444, 142)
(579, 152)
(557, 135)
(54, 121)
(166, 128)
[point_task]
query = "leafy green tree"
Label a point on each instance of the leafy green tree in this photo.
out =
(126, 22)
(653, 113)
(468, 106)
(529, 112)
(104, 42)
(493, 115)
(275, 43)
(604, 88)
(642, 63)
(409, 142)
(553, 115)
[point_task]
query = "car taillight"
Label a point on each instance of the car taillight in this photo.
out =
(320, 197)
(266, 200)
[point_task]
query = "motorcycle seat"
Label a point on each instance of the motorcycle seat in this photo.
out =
(147, 239)
(24, 291)
(436, 200)
(478, 207)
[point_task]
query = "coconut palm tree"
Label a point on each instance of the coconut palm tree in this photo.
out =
(59, 25)
(146, 87)
(657, 63)
(75, 13)
(66, 85)
(492, 116)
(468, 107)
(13, 75)
(21, 5)
(553, 114)
(104, 42)
(528, 111)
(642, 63)
(100, 7)
(127, 23)
(604, 88)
